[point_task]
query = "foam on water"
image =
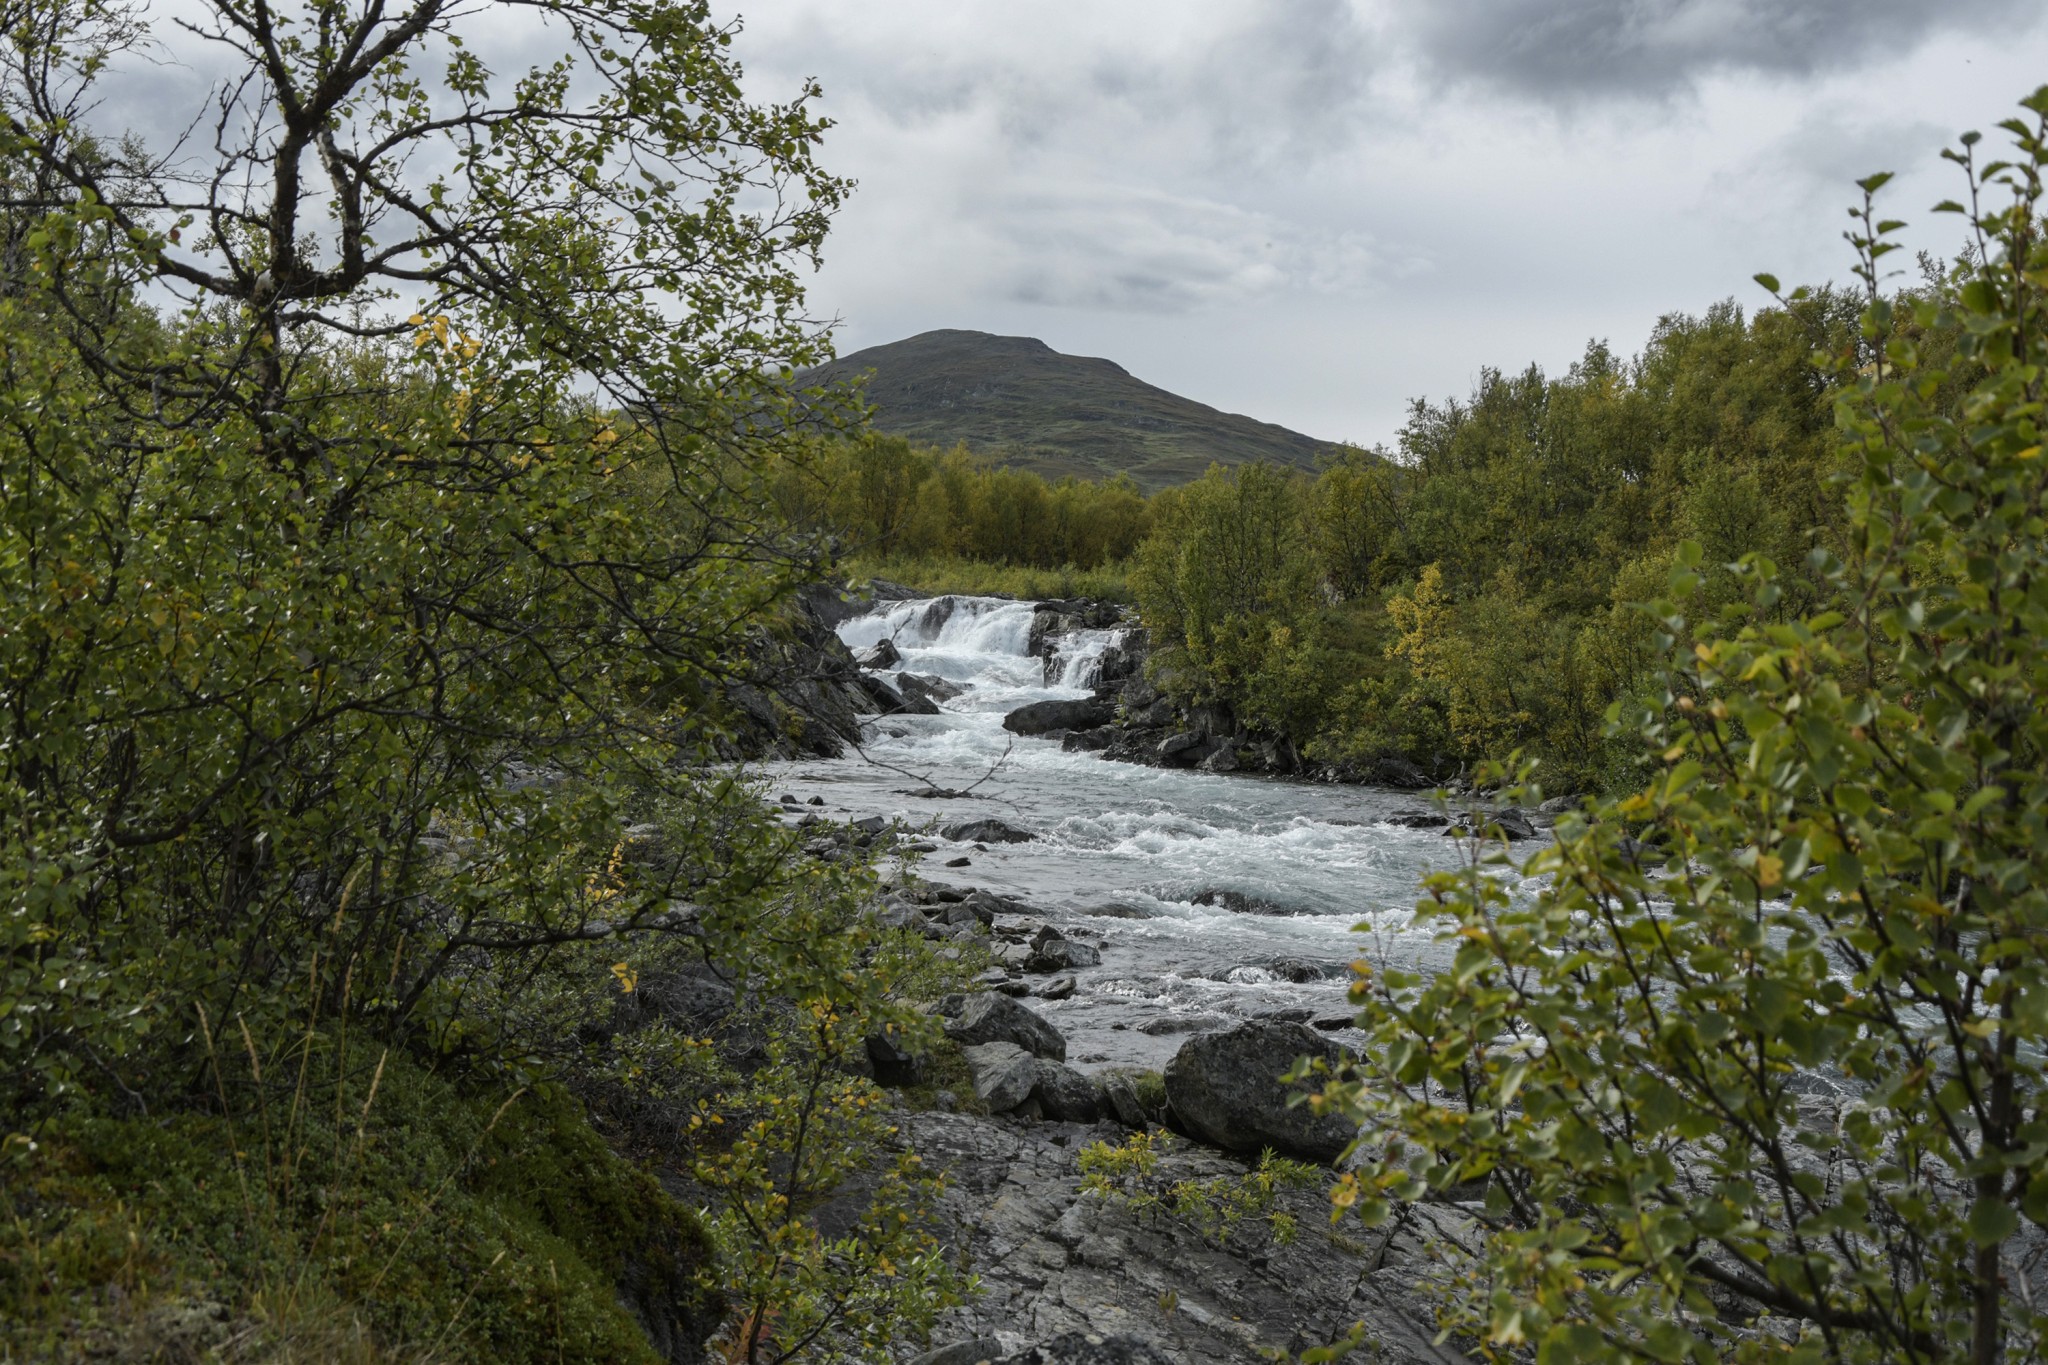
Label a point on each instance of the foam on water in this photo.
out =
(1167, 844)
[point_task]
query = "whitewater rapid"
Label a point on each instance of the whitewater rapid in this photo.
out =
(1116, 841)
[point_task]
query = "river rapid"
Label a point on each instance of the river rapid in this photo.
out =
(1144, 862)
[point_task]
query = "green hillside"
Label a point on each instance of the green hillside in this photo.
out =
(1019, 400)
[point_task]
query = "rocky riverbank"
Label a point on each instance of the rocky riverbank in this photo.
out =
(1069, 1276)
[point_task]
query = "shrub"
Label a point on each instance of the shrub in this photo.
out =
(1767, 1082)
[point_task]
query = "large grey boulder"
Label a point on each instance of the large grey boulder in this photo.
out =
(1065, 1094)
(1004, 1074)
(993, 1018)
(1043, 717)
(1226, 1089)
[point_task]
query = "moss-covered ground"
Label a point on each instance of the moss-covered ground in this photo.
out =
(398, 1214)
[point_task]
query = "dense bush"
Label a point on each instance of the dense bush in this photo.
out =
(1471, 592)
(363, 613)
(1753, 1068)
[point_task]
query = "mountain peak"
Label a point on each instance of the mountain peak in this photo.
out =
(1018, 400)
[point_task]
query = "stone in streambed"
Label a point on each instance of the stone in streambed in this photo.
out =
(986, 831)
(1044, 717)
(1226, 1088)
(1418, 819)
(927, 685)
(991, 1018)
(1167, 1025)
(1052, 951)
(1087, 741)
(1059, 988)
(1116, 910)
(1509, 824)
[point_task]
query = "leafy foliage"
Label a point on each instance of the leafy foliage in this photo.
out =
(1471, 592)
(880, 496)
(1768, 1083)
(1221, 1209)
(364, 612)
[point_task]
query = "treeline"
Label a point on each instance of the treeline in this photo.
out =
(879, 497)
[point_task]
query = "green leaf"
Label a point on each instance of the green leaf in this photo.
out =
(1991, 1222)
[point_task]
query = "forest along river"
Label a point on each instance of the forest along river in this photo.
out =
(1126, 856)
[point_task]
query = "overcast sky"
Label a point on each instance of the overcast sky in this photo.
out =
(1313, 210)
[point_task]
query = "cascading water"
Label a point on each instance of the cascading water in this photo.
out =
(1213, 897)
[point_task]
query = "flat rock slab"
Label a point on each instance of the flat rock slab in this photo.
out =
(1069, 1279)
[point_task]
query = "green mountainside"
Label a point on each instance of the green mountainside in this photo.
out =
(1017, 399)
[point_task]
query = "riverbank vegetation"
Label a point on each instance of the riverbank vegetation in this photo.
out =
(376, 535)
(1751, 1063)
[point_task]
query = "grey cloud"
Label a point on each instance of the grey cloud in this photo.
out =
(1570, 50)
(1239, 81)
(1131, 251)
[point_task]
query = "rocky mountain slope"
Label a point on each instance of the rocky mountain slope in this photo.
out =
(1017, 399)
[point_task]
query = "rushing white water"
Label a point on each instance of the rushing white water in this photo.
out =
(1167, 844)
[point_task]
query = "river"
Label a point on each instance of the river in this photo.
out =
(1128, 857)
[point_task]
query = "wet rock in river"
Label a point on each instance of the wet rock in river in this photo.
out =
(928, 685)
(1043, 717)
(1052, 951)
(989, 831)
(1509, 824)
(1088, 741)
(1059, 988)
(1166, 1025)
(1239, 903)
(1419, 819)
